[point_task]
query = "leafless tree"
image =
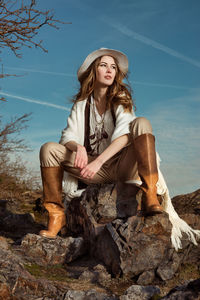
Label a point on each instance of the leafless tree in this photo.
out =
(13, 171)
(20, 22)
(9, 135)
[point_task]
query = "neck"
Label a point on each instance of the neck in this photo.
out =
(100, 99)
(100, 94)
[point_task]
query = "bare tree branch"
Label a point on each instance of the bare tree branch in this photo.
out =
(20, 23)
(9, 135)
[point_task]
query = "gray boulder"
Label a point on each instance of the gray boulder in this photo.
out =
(44, 251)
(126, 242)
(138, 292)
(17, 283)
(87, 295)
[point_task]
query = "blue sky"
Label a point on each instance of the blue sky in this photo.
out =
(161, 40)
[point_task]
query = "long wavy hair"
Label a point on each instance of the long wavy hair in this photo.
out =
(118, 93)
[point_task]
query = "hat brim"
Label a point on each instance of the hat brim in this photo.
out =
(120, 57)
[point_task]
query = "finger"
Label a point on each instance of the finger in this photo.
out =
(86, 174)
(76, 162)
(80, 163)
(84, 164)
(83, 172)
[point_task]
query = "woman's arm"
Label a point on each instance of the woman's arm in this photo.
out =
(81, 159)
(92, 168)
(75, 125)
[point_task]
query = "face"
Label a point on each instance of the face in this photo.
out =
(106, 71)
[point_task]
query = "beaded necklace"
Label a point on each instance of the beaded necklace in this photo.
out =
(99, 131)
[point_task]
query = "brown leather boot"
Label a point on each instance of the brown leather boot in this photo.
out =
(57, 220)
(147, 168)
(52, 194)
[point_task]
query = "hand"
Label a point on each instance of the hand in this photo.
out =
(81, 159)
(91, 169)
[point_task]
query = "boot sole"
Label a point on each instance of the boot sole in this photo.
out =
(153, 210)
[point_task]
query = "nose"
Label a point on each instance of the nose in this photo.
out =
(109, 69)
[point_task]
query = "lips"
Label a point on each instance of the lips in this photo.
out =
(108, 77)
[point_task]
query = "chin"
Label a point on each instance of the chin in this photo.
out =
(108, 82)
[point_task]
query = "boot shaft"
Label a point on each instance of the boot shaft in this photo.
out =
(52, 185)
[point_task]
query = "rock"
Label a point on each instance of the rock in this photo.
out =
(135, 245)
(11, 267)
(187, 204)
(3, 243)
(128, 197)
(102, 273)
(16, 282)
(130, 245)
(28, 288)
(98, 274)
(5, 292)
(88, 295)
(44, 251)
(146, 278)
(192, 219)
(188, 291)
(126, 243)
(88, 276)
(138, 292)
(188, 207)
(21, 223)
(169, 266)
(123, 242)
(99, 205)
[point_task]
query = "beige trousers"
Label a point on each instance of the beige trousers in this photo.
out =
(121, 167)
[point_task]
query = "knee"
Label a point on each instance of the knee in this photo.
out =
(140, 126)
(143, 123)
(47, 149)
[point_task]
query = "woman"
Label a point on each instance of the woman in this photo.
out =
(104, 142)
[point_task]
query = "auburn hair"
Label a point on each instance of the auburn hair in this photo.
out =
(118, 93)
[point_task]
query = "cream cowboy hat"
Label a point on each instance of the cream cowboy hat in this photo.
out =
(120, 57)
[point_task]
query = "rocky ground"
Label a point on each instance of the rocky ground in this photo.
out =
(107, 252)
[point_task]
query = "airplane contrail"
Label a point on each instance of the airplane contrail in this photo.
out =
(164, 85)
(128, 32)
(40, 71)
(35, 101)
(70, 75)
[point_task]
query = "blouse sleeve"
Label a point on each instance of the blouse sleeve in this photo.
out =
(123, 120)
(70, 133)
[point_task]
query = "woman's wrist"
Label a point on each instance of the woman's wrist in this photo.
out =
(100, 160)
(78, 146)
